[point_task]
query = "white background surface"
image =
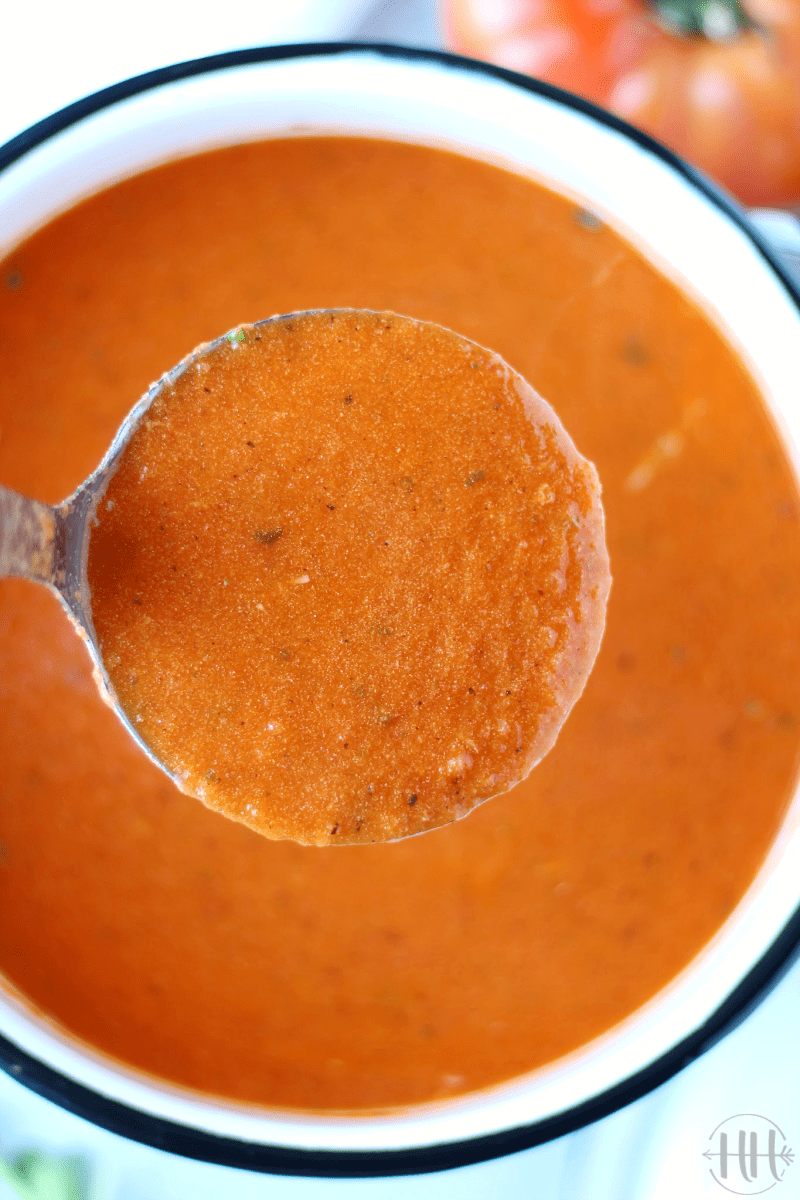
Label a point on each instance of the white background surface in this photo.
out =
(54, 54)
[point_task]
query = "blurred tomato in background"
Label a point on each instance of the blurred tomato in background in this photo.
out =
(718, 81)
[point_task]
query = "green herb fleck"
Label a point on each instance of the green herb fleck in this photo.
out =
(475, 477)
(587, 219)
(267, 536)
(634, 352)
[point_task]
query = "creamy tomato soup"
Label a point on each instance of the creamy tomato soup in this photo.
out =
(192, 948)
(349, 576)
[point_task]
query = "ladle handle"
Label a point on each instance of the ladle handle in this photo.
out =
(27, 538)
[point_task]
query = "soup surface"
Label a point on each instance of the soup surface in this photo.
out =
(384, 975)
(349, 576)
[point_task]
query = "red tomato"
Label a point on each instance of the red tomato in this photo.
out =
(731, 106)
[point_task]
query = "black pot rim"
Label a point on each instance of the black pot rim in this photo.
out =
(188, 1142)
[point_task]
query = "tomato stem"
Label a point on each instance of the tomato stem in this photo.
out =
(717, 20)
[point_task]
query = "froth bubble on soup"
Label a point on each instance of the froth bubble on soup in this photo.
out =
(191, 948)
(349, 576)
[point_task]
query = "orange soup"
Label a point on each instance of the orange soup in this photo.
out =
(349, 576)
(190, 947)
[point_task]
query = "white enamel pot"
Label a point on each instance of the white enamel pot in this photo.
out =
(697, 236)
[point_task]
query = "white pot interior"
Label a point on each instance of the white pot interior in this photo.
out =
(674, 225)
